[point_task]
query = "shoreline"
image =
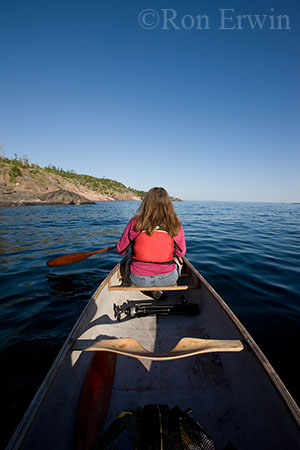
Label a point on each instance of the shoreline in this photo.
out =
(14, 198)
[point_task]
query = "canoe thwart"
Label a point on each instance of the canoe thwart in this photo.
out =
(132, 287)
(185, 347)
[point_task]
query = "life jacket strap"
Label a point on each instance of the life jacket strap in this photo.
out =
(172, 261)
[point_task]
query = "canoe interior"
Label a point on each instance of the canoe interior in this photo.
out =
(230, 394)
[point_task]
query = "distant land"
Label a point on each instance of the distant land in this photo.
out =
(22, 183)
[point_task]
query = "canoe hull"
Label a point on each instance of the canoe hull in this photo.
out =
(237, 397)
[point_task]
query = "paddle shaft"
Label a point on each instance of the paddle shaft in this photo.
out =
(73, 258)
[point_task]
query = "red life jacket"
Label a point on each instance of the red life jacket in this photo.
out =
(157, 248)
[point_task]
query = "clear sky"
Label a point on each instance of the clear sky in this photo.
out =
(208, 107)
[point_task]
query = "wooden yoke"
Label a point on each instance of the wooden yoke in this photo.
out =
(185, 347)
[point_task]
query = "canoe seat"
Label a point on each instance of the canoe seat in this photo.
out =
(125, 284)
(132, 287)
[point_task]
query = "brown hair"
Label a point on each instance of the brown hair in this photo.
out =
(155, 210)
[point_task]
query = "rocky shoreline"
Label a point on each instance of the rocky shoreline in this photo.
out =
(14, 197)
(23, 184)
(11, 197)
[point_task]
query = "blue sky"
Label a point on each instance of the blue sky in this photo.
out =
(102, 88)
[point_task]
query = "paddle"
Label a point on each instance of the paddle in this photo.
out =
(73, 258)
(95, 399)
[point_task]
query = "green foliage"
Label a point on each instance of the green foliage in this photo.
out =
(34, 171)
(141, 194)
(16, 162)
(23, 161)
(102, 185)
(13, 173)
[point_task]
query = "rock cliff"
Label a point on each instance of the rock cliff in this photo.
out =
(27, 184)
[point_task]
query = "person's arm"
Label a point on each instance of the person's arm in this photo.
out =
(124, 240)
(180, 241)
(127, 237)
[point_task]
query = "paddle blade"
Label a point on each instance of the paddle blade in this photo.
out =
(95, 399)
(69, 259)
(73, 258)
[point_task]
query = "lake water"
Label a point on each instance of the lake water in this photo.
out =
(249, 252)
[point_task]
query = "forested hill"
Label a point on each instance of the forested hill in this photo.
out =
(25, 183)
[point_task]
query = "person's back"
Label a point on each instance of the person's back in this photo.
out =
(157, 241)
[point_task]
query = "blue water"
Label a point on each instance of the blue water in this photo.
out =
(249, 252)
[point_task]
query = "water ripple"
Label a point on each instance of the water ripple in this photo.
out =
(249, 252)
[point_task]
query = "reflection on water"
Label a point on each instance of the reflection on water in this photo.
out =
(249, 253)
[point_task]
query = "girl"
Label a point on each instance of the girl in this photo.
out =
(157, 239)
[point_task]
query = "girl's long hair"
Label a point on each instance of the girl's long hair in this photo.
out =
(155, 210)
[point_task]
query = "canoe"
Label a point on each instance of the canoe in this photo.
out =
(122, 354)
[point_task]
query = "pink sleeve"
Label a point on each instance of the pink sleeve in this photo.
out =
(180, 241)
(127, 237)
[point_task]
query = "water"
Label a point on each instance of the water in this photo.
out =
(249, 252)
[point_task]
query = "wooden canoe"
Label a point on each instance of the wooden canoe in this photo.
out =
(207, 362)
